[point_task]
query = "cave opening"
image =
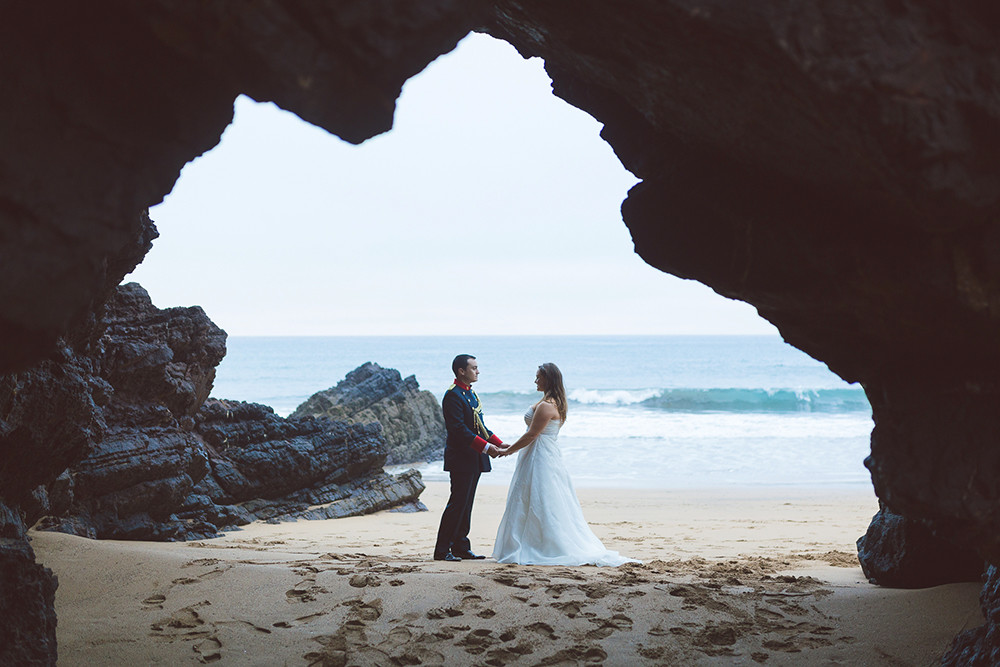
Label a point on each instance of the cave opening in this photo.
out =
(284, 229)
(287, 235)
(795, 63)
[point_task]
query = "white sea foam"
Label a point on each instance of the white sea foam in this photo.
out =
(612, 396)
(623, 423)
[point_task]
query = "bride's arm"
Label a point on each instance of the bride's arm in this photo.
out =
(544, 413)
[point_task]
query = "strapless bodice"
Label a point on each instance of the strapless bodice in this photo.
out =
(552, 428)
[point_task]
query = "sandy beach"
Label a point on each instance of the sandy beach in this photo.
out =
(733, 576)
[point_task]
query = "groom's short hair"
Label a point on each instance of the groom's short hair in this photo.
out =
(461, 363)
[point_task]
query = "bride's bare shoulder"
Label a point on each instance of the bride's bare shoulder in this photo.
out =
(546, 408)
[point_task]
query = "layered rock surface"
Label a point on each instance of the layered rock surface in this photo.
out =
(411, 419)
(171, 465)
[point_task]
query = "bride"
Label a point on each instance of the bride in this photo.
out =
(543, 523)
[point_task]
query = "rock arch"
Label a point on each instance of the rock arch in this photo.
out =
(834, 165)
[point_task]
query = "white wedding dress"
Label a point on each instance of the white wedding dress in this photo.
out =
(543, 523)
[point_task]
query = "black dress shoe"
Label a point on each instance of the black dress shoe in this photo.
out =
(468, 555)
(448, 557)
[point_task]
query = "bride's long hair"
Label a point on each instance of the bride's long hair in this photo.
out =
(554, 388)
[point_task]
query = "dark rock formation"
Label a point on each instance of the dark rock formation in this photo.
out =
(980, 647)
(27, 598)
(104, 104)
(168, 465)
(276, 468)
(50, 416)
(832, 163)
(153, 368)
(903, 553)
(412, 421)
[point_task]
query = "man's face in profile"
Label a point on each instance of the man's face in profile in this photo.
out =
(471, 372)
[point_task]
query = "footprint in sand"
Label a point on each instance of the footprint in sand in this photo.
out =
(306, 590)
(304, 594)
(556, 590)
(472, 601)
(364, 580)
(187, 625)
(501, 656)
(398, 636)
(695, 596)
(587, 655)
(402, 647)
(543, 629)
(351, 644)
(477, 641)
(661, 654)
(658, 631)
(182, 619)
(608, 626)
(596, 591)
(301, 620)
(304, 569)
(571, 607)
(767, 615)
(209, 650)
(364, 611)
(155, 600)
(510, 580)
(333, 651)
(716, 640)
(796, 644)
(443, 612)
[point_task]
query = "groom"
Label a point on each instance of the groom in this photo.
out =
(467, 454)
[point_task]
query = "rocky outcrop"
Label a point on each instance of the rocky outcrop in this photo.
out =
(832, 163)
(980, 647)
(411, 419)
(50, 415)
(903, 553)
(152, 370)
(27, 598)
(169, 465)
(103, 105)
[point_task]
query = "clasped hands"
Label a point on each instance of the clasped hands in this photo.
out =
(496, 451)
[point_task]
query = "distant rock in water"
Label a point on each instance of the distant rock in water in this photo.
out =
(411, 419)
(165, 463)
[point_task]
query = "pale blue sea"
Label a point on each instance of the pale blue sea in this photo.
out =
(645, 411)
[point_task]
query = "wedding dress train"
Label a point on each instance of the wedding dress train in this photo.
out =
(543, 523)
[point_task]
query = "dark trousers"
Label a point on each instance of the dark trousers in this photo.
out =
(453, 535)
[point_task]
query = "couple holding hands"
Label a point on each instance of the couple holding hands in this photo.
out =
(543, 523)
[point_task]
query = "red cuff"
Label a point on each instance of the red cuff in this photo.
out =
(494, 440)
(479, 445)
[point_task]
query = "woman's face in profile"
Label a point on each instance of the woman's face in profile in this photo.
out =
(539, 381)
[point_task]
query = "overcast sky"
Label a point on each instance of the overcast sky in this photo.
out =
(491, 207)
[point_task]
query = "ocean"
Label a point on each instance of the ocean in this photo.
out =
(645, 411)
